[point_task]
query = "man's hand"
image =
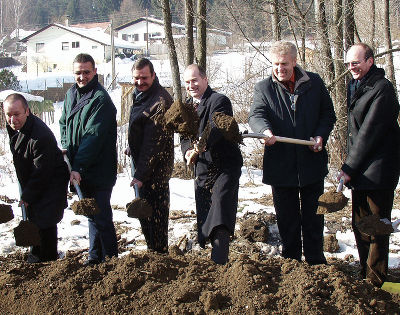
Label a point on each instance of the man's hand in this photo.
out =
(21, 202)
(346, 178)
(191, 156)
(127, 151)
(64, 151)
(75, 176)
(136, 182)
(318, 144)
(270, 138)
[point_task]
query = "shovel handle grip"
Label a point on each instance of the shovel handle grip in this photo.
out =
(74, 182)
(340, 186)
(135, 186)
(279, 139)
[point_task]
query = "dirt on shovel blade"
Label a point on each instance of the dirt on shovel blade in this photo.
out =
(6, 213)
(26, 234)
(331, 201)
(183, 119)
(86, 206)
(228, 127)
(372, 225)
(139, 208)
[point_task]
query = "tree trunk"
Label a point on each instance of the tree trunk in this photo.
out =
(388, 45)
(201, 33)
(349, 23)
(171, 50)
(275, 19)
(189, 32)
(372, 31)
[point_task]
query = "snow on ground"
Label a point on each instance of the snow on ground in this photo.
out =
(75, 236)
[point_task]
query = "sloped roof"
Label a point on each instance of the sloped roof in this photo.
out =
(92, 34)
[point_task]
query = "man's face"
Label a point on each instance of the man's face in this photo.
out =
(84, 73)
(16, 114)
(143, 79)
(356, 63)
(194, 83)
(283, 66)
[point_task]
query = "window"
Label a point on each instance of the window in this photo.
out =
(75, 44)
(125, 36)
(65, 46)
(136, 37)
(54, 65)
(39, 47)
(94, 47)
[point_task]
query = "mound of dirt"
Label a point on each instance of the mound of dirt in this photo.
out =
(331, 201)
(6, 213)
(149, 283)
(372, 225)
(86, 206)
(26, 234)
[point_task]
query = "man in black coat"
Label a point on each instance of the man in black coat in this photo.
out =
(372, 167)
(152, 151)
(217, 168)
(294, 103)
(41, 171)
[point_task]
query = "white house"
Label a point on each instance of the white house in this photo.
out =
(53, 48)
(149, 32)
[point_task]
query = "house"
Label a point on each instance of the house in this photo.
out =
(53, 48)
(149, 34)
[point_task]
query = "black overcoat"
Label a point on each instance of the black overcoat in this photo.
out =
(217, 170)
(373, 160)
(41, 171)
(292, 165)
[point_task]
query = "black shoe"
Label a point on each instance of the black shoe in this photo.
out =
(91, 262)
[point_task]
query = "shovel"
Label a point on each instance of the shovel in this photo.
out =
(85, 206)
(373, 225)
(332, 201)
(26, 233)
(279, 139)
(139, 208)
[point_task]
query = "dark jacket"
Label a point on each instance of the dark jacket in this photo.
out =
(291, 165)
(152, 147)
(89, 133)
(373, 159)
(221, 155)
(41, 171)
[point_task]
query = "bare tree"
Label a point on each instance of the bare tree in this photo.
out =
(372, 22)
(202, 33)
(171, 50)
(349, 23)
(189, 31)
(275, 19)
(388, 44)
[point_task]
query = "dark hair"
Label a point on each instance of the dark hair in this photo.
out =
(141, 63)
(83, 58)
(369, 53)
(201, 70)
(17, 97)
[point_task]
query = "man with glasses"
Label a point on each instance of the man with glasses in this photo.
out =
(294, 103)
(371, 168)
(88, 136)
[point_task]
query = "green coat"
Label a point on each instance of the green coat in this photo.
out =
(89, 133)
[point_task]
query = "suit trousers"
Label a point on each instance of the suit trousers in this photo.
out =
(47, 250)
(373, 250)
(296, 209)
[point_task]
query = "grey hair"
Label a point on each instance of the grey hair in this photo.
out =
(283, 48)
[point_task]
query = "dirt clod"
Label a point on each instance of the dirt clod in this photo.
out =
(6, 213)
(254, 230)
(139, 208)
(331, 201)
(227, 126)
(331, 244)
(182, 118)
(26, 234)
(372, 225)
(86, 206)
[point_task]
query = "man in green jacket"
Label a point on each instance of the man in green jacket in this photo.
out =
(88, 137)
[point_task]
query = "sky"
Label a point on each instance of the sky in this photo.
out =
(73, 229)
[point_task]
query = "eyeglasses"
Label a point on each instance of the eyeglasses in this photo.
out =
(354, 63)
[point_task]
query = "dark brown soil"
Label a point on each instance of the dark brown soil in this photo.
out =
(331, 201)
(86, 206)
(6, 213)
(149, 283)
(26, 234)
(182, 118)
(255, 229)
(372, 225)
(331, 244)
(228, 127)
(182, 171)
(139, 208)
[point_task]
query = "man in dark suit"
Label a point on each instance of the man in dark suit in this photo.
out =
(372, 165)
(217, 168)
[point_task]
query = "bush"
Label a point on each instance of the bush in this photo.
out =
(8, 81)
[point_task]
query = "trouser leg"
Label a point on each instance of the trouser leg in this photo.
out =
(373, 250)
(220, 238)
(203, 205)
(312, 223)
(47, 250)
(287, 208)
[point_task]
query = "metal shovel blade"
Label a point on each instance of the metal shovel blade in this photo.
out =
(26, 233)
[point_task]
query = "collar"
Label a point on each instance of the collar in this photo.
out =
(141, 96)
(88, 87)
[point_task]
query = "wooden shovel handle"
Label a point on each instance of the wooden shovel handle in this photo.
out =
(279, 139)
